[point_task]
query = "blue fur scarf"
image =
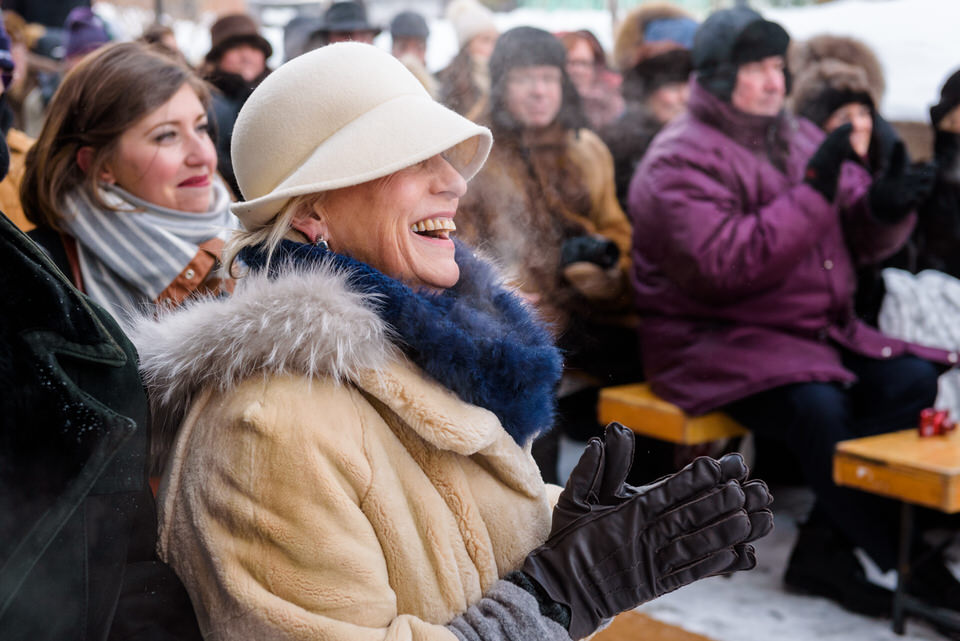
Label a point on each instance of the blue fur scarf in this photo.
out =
(476, 338)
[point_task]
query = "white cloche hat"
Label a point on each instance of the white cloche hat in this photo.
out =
(337, 116)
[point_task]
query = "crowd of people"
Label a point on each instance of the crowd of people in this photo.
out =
(367, 300)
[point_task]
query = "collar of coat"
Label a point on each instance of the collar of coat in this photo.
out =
(767, 135)
(329, 316)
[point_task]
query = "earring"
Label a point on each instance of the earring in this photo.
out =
(320, 243)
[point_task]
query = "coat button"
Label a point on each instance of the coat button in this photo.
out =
(886, 352)
(952, 357)
(828, 264)
(189, 274)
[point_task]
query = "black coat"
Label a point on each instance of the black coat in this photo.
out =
(77, 519)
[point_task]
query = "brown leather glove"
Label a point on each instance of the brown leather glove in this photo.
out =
(614, 546)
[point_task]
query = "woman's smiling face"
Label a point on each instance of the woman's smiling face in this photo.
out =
(167, 157)
(399, 224)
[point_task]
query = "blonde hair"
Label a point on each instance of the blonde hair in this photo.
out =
(270, 234)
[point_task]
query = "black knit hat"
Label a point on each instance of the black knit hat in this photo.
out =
(949, 99)
(525, 47)
(730, 38)
(530, 47)
(409, 24)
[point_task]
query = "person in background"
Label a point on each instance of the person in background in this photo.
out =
(465, 82)
(408, 35)
(345, 21)
(235, 65)
(49, 13)
(84, 32)
(652, 51)
(17, 142)
(598, 86)
(350, 430)
(122, 182)
(163, 38)
(27, 92)
(828, 68)
(747, 227)
(544, 208)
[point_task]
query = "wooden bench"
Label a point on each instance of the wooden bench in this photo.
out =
(916, 471)
(638, 408)
(634, 626)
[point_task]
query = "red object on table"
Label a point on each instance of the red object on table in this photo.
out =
(935, 422)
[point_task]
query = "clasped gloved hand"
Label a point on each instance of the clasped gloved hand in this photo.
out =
(901, 187)
(823, 168)
(613, 546)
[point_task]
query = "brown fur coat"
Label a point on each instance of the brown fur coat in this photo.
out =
(534, 192)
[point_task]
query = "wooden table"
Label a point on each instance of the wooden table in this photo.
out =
(915, 471)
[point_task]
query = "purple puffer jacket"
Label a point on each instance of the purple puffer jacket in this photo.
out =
(745, 274)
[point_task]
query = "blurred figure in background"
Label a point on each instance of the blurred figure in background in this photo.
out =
(408, 35)
(843, 75)
(465, 82)
(544, 208)
(652, 51)
(598, 86)
(17, 142)
(235, 65)
(122, 182)
(345, 21)
(161, 36)
(85, 32)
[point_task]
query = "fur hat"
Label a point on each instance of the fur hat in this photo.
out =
(337, 116)
(232, 30)
(729, 38)
(949, 99)
(845, 49)
(825, 86)
(469, 19)
(640, 37)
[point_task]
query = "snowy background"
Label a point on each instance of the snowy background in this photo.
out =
(917, 41)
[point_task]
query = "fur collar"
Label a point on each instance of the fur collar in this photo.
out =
(315, 318)
(476, 338)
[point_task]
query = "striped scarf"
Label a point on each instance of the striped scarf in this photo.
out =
(129, 256)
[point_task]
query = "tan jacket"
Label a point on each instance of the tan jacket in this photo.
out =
(321, 486)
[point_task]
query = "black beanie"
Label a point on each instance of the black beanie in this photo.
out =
(529, 47)
(730, 38)
(949, 98)
(525, 47)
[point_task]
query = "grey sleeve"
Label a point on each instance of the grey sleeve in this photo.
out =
(506, 613)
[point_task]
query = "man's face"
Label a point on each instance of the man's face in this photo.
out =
(761, 87)
(410, 46)
(535, 94)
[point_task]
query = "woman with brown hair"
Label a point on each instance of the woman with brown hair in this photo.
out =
(122, 181)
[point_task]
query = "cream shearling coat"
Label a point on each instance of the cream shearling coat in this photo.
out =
(320, 485)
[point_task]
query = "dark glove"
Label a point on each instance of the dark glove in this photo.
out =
(901, 187)
(592, 249)
(614, 546)
(823, 168)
